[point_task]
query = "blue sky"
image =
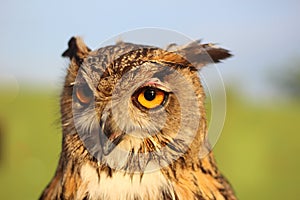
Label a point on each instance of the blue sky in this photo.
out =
(263, 35)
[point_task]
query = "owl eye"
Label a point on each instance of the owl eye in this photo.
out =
(84, 94)
(150, 97)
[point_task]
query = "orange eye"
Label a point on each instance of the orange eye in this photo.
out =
(84, 94)
(151, 97)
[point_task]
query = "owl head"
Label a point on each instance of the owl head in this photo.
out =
(135, 107)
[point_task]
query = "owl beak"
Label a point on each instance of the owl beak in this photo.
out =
(109, 141)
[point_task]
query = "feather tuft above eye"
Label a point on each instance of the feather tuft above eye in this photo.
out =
(200, 55)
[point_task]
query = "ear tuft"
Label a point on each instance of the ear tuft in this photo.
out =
(77, 49)
(202, 54)
(216, 53)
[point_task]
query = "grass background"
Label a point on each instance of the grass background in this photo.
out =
(257, 151)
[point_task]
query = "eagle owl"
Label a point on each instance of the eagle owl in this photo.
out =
(133, 122)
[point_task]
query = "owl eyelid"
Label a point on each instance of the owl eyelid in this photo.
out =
(156, 83)
(162, 88)
(85, 84)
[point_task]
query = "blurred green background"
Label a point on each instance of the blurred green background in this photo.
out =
(259, 145)
(257, 151)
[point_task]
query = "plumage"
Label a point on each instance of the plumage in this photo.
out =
(134, 122)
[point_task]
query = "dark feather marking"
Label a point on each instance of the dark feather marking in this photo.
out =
(166, 195)
(86, 197)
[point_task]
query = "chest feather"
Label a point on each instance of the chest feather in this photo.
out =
(123, 187)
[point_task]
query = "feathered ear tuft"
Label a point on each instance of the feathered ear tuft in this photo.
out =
(200, 55)
(77, 50)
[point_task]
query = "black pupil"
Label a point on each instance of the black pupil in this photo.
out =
(149, 94)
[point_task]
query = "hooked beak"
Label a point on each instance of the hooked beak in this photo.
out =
(108, 139)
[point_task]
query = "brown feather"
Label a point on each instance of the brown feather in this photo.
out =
(81, 175)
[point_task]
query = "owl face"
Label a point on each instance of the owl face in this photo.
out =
(128, 109)
(136, 113)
